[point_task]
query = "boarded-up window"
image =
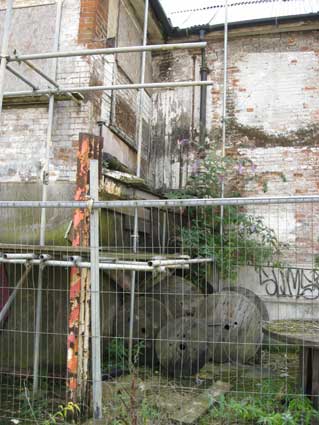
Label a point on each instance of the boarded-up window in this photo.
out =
(125, 110)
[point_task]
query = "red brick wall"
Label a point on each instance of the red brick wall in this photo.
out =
(93, 23)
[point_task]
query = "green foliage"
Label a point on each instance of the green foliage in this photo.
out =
(254, 410)
(63, 413)
(118, 356)
(270, 407)
(37, 411)
(148, 413)
(231, 235)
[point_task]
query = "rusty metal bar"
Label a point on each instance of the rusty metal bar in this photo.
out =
(78, 339)
(77, 279)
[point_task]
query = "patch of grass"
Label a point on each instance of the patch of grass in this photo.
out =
(117, 355)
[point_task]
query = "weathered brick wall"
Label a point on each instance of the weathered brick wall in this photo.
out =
(20, 157)
(272, 101)
(93, 23)
(85, 23)
(24, 130)
(175, 118)
(124, 116)
(273, 119)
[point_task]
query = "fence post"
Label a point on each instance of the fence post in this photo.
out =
(90, 146)
(37, 333)
(95, 293)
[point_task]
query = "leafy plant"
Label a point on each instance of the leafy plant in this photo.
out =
(63, 413)
(268, 408)
(118, 355)
(229, 234)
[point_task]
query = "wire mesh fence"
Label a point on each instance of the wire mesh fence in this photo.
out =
(223, 324)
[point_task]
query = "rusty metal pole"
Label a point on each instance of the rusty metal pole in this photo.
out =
(79, 293)
(77, 277)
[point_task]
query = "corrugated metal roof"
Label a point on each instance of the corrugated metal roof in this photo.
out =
(188, 13)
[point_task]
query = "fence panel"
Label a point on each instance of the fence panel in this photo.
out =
(225, 320)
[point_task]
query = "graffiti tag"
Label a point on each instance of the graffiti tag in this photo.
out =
(290, 282)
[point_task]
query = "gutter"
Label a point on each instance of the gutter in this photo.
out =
(162, 17)
(170, 31)
(185, 32)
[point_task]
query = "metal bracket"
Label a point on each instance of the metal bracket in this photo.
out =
(45, 177)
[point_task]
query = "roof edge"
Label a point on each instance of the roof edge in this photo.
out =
(160, 14)
(182, 32)
(170, 31)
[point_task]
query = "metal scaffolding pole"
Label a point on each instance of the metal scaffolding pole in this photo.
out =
(21, 77)
(95, 294)
(164, 203)
(224, 117)
(66, 90)
(138, 174)
(45, 182)
(107, 51)
(141, 93)
(163, 262)
(129, 265)
(6, 307)
(37, 335)
(29, 83)
(5, 48)
(39, 71)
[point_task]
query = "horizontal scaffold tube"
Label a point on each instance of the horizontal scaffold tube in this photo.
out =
(63, 90)
(108, 51)
(163, 203)
(80, 264)
(13, 256)
(164, 263)
(137, 266)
